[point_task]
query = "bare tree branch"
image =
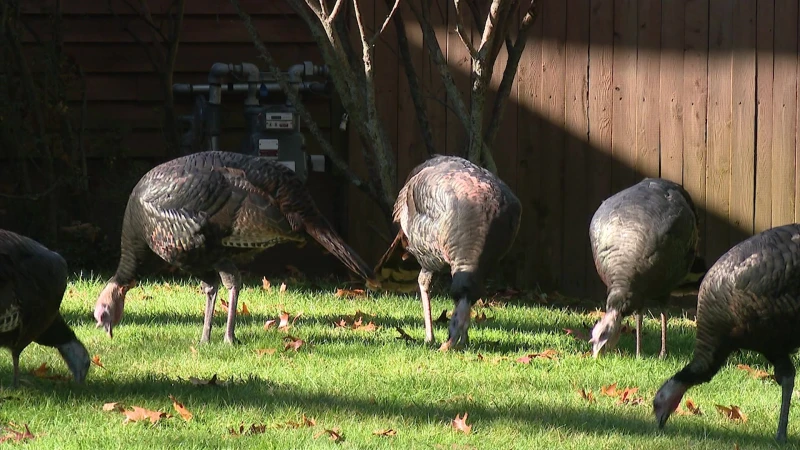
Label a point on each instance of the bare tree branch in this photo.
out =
(304, 114)
(413, 83)
(466, 40)
(336, 8)
(385, 22)
(514, 56)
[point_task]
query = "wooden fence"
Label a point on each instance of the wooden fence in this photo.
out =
(703, 92)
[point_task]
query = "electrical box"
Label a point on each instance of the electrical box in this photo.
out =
(276, 136)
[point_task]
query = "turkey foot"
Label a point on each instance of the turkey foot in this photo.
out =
(459, 326)
(424, 280)
(233, 299)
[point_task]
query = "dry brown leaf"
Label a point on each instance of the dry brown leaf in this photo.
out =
(587, 395)
(304, 422)
(350, 293)
(113, 406)
(755, 373)
(628, 397)
(265, 351)
(44, 372)
(269, 324)
(187, 416)
(244, 311)
(442, 317)
(691, 409)
(265, 284)
(96, 361)
(284, 321)
(480, 317)
(334, 434)
(16, 435)
(577, 334)
(366, 327)
(283, 288)
(138, 414)
(253, 429)
(403, 334)
(387, 432)
(213, 381)
(610, 390)
(460, 423)
(733, 412)
(547, 354)
(294, 343)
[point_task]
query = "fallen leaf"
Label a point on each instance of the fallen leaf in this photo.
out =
(577, 334)
(284, 323)
(16, 435)
(610, 390)
(138, 414)
(304, 422)
(244, 311)
(691, 409)
(350, 293)
(732, 413)
(265, 351)
(334, 435)
(192, 349)
(187, 416)
(44, 372)
(294, 343)
(507, 293)
(587, 395)
(547, 354)
(460, 424)
(96, 361)
(628, 397)
(213, 381)
(442, 317)
(387, 432)
(269, 323)
(480, 317)
(755, 373)
(253, 429)
(113, 406)
(265, 284)
(403, 334)
(597, 314)
(283, 288)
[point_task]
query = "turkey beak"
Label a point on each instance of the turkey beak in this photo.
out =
(662, 420)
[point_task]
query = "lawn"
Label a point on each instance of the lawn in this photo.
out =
(358, 382)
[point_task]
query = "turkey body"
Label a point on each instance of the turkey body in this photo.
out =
(644, 241)
(32, 284)
(455, 215)
(201, 211)
(749, 299)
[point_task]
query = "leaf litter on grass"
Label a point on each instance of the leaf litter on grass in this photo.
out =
(733, 413)
(460, 423)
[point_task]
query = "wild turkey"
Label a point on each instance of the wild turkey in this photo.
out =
(455, 214)
(644, 241)
(199, 211)
(32, 284)
(750, 299)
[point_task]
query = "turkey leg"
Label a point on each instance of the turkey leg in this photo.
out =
(15, 362)
(211, 298)
(784, 374)
(232, 280)
(424, 280)
(638, 333)
(663, 353)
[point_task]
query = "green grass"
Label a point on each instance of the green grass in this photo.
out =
(361, 381)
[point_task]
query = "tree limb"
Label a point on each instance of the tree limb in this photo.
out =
(385, 22)
(514, 56)
(467, 41)
(304, 114)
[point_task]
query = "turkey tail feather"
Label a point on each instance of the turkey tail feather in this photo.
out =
(334, 244)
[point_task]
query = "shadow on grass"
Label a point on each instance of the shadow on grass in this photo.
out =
(251, 391)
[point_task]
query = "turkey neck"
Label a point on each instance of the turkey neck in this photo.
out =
(132, 251)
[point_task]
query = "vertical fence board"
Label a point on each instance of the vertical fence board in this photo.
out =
(553, 67)
(718, 164)
(671, 97)
(576, 216)
(387, 72)
(460, 63)
(432, 85)
(742, 157)
(623, 165)
(647, 88)
(695, 89)
(765, 36)
(601, 105)
(784, 113)
(504, 147)
(529, 155)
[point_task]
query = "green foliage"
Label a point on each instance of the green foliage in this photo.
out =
(364, 381)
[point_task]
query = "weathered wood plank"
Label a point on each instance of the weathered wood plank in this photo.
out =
(695, 89)
(718, 168)
(553, 139)
(530, 157)
(671, 96)
(387, 72)
(765, 36)
(743, 173)
(648, 65)
(623, 164)
(432, 85)
(460, 63)
(208, 7)
(784, 113)
(574, 264)
(197, 29)
(601, 105)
